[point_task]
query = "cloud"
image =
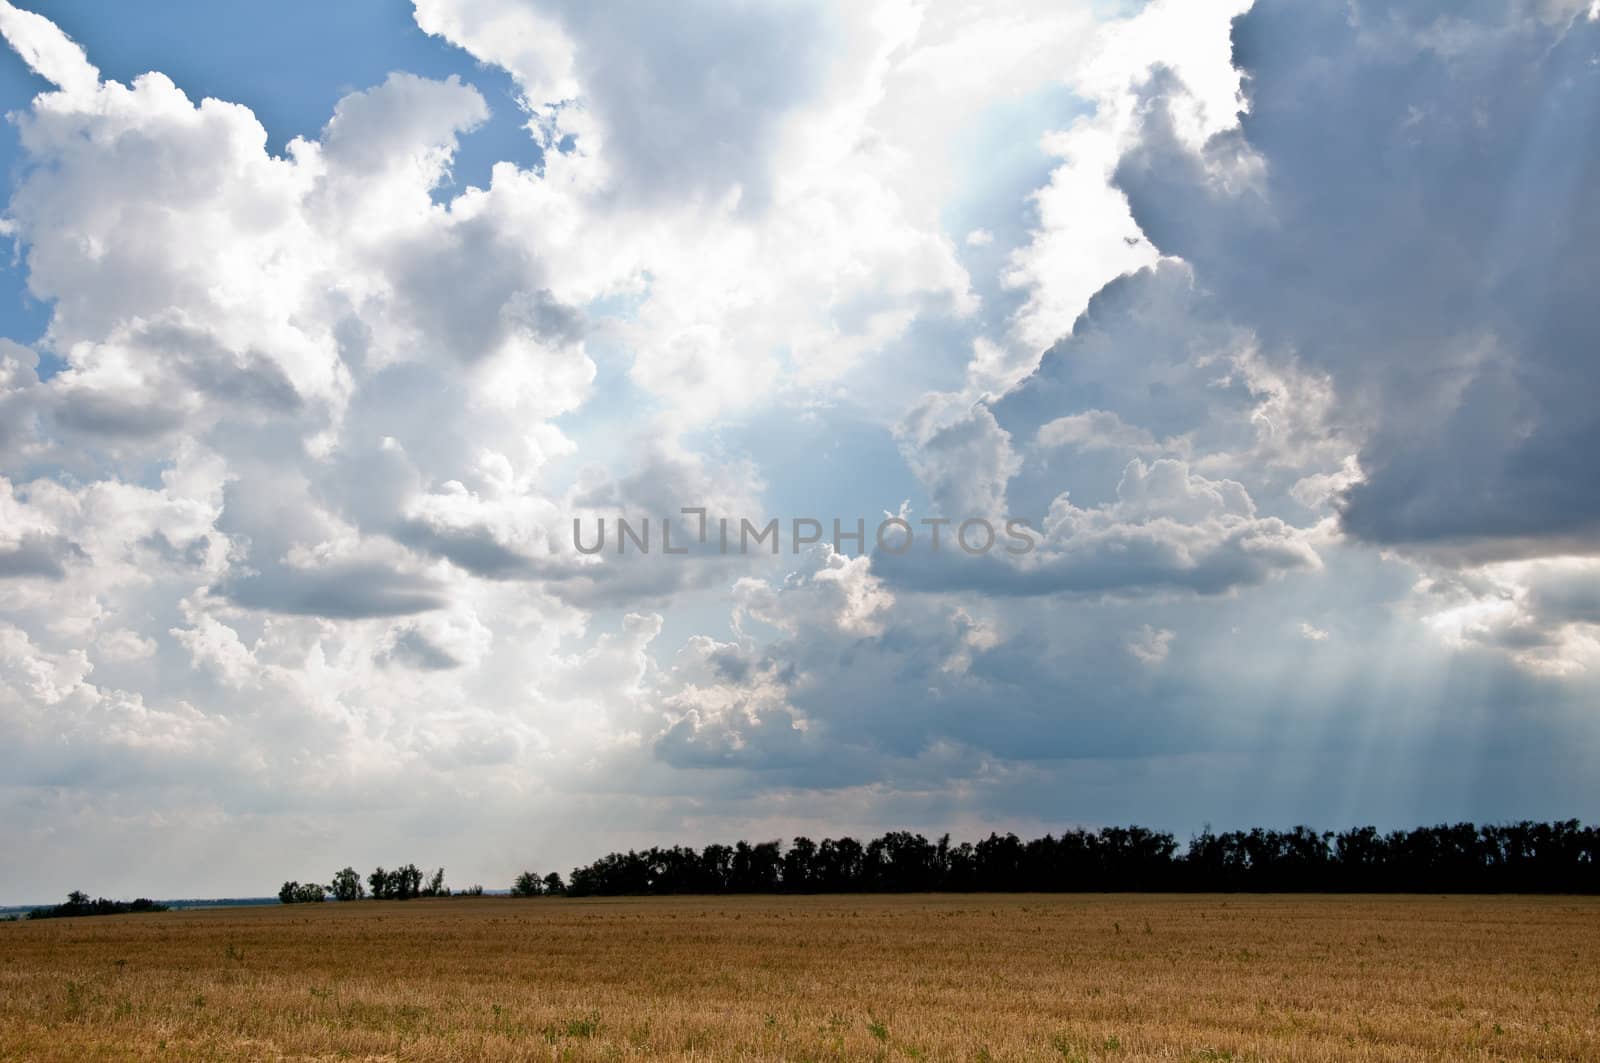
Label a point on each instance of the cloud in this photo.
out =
(1543, 614)
(1312, 633)
(961, 454)
(345, 591)
(1335, 223)
(1096, 429)
(1152, 369)
(18, 416)
(680, 104)
(1084, 234)
(47, 50)
(473, 548)
(763, 213)
(38, 556)
(1169, 530)
(1150, 646)
(412, 647)
(406, 124)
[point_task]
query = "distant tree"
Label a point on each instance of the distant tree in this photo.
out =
(378, 883)
(756, 868)
(716, 870)
(839, 865)
(347, 885)
(78, 903)
(302, 893)
(436, 886)
(407, 882)
(902, 861)
(553, 884)
(470, 891)
(528, 884)
(799, 865)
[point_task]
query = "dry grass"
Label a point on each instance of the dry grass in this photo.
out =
(890, 978)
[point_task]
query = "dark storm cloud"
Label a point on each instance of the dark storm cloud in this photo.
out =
(1412, 203)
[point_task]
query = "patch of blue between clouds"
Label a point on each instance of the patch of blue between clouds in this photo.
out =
(1003, 163)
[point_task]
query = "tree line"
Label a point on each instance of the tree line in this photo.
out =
(1526, 857)
(78, 903)
(400, 884)
(529, 884)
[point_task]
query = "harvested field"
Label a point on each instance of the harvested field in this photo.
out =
(968, 977)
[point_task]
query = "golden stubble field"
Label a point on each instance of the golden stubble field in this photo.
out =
(967, 977)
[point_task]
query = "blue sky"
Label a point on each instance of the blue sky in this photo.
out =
(321, 337)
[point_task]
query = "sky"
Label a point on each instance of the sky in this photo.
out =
(1270, 325)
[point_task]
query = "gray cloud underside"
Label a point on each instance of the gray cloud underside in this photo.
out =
(1412, 203)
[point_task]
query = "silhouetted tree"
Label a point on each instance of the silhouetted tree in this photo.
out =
(347, 886)
(799, 866)
(410, 882)
(302, 893)
(839, 865)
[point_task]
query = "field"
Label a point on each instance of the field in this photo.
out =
(967, 977)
